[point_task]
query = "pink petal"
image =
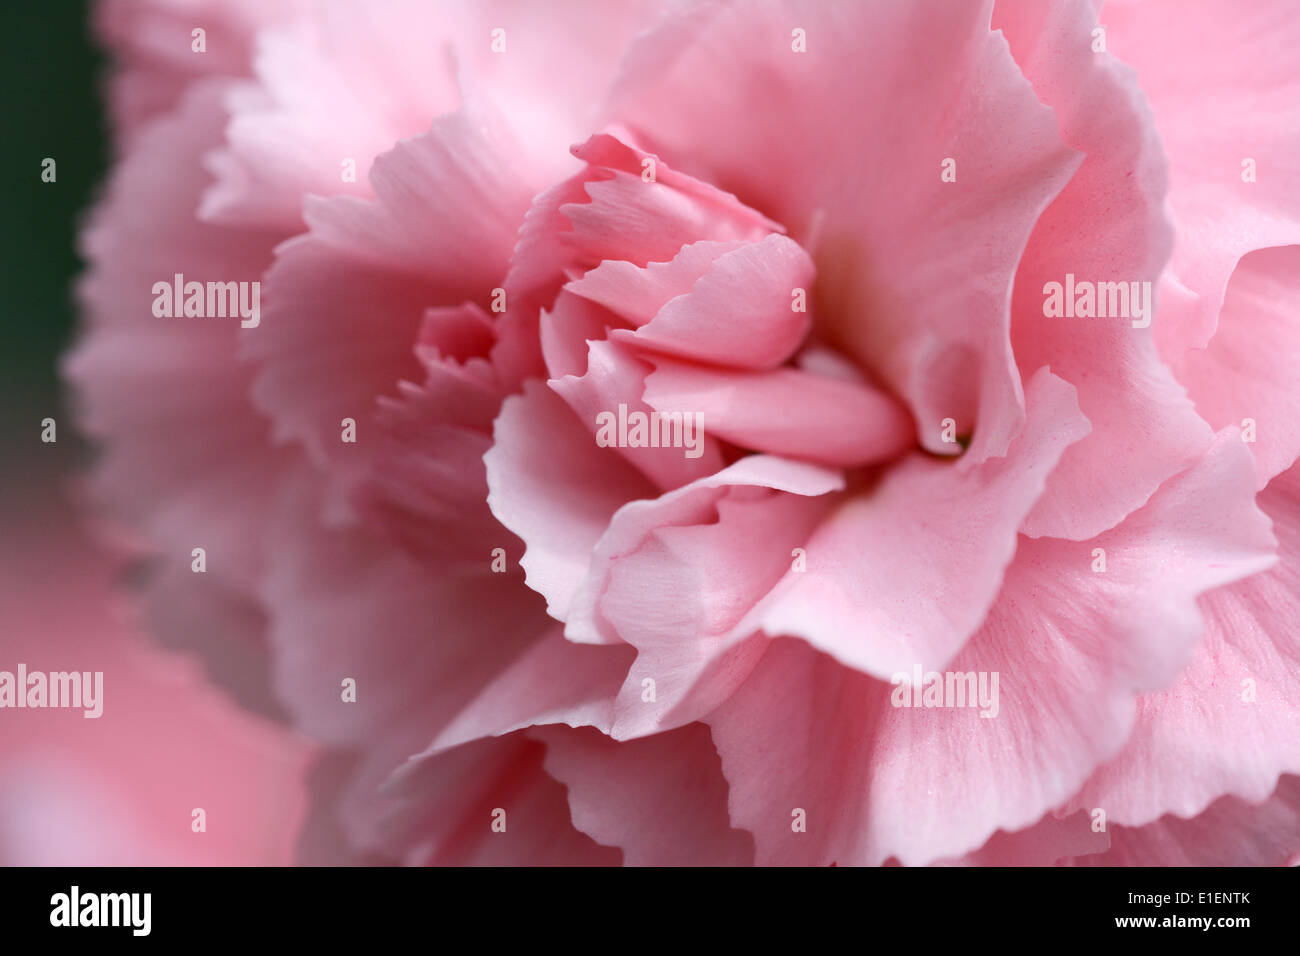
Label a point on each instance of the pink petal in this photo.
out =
(445, 805)
(662, 799)
(614, 377)
(795, 741)
(1049, 842)
(682, 596)
(1231, 832)
(158, 470)
(629, 527)
(1201, 738)
(324, 838)
(346, 603)
(427, 487)
(1144, 430)
(625, 217)
(556, 489)
(567, 331)
(939, 538)
(914, 274)
(674, 577)
(739, 313)
(339, 85)
(1249, 368)
(786, 411)
(637, 293)
(347, 81)
(344, 302)
(155, 65)
(609, 211)
(553, 682)
(1070, 647)
(1242, 102)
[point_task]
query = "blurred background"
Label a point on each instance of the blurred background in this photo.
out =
(123, 788)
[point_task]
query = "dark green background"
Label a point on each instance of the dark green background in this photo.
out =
(53, 80)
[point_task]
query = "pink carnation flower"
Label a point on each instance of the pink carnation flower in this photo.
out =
(739, 433)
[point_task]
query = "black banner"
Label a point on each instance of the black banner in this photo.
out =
(330, 906)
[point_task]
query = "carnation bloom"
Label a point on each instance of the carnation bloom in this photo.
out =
(676, 392)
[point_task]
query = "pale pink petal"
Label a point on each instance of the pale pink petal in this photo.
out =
(556, 489)
(553, 682)
(445, 806)
(344, 303)
(906, 570)
(662, 799)
(1230, 724)
(795, 742)
(1249, 368)
(615, 376)
(637, 293)
(429, 493)
(427, 487)
(624, 205)
(1049, 842)
(338, 87)
(786, 411)
(1144, 429)
(625, 531)
(377, 653)
(559, 59)
(349, 80)
(155, 63)
(740, 313)
(674, 577)
(1074, 646)
(567, 329)
(682, 596)
(1071, 648)
(914, 274)
(1231, 832)
(1241, 102)
(626, 217)
(610, 211)
(167, 397)
(347, 604)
